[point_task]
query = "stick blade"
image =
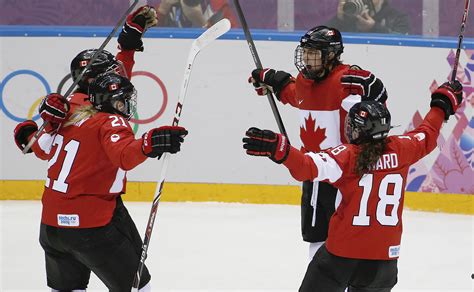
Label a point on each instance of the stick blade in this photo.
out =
(212, 33)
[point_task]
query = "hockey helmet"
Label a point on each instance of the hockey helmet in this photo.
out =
(325, 39)
(113, 93)
(104, 62)
(367, 121)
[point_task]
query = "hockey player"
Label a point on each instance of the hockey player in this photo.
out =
(84, 225)
(130, 41)
(363, 243)
(323, 101)
(103, 208)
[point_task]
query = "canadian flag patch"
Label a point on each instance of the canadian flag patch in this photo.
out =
(363, 114)
(330, 33)
(83, 63)
(113, 87)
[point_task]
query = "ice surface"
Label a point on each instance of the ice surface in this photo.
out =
(242, 247)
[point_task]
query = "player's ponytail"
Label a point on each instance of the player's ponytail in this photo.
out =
(368, 155)
(81, 113)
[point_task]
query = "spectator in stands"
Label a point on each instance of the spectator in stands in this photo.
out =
(194, 13)
(375, 16)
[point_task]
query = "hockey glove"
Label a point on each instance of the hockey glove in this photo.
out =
(54, 108)
(163, 139)
(447, 97)
(363, 83)
(266, 143)
(137, 23)
(23, 132)
(269, 79)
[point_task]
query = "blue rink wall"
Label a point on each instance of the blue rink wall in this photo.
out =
(220, 106)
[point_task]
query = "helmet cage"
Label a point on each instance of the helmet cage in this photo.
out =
(115, 96)
(306, 69)
(121, 103)
(104, 62)
(320, 38)
(118, 68)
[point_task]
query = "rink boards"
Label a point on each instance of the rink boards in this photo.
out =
(221, 105)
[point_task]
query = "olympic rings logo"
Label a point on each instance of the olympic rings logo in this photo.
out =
(135, 120)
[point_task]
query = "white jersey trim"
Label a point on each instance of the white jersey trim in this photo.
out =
(117, 186)
(45, 142)
(327, 167)
(349, 101)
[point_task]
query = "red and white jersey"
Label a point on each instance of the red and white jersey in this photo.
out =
(323, 107)
(42, 147)
(78, 99)
(368, 222)
(87, 170)
(87, 164)
(127, 58)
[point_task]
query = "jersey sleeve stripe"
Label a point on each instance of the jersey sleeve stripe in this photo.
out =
(327, 167)
(117, 186)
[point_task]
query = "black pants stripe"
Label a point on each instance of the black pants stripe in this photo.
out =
(324, 210)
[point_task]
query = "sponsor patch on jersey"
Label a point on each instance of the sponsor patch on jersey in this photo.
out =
(115, 137)
(68, 220)
(394, 251)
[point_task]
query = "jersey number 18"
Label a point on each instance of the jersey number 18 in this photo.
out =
(366, 182)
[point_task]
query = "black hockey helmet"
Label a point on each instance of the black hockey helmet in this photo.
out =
(104, 62)
(325, 39)
(367, 121)
(113, 93)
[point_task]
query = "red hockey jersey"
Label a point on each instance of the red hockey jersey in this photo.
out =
(323, 107)
(368, 222)
(87, 170)
(42, 147)
(127, 58)
(87, 164)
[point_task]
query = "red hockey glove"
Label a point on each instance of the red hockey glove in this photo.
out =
(137, 23)
(269, 79)
(23, 132)
(54, 108)
(163, 139)
(363, 83)
(266, 143)
(447, 97)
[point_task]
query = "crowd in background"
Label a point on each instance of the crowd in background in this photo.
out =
(414, 17)
(376, 16)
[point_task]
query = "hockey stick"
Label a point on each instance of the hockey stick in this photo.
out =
(198, 44)
(461, 36)
(74, 84)
(256, 59)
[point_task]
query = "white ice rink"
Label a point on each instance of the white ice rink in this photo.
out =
(242, 247)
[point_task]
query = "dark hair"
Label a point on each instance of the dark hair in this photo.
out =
(369, 154)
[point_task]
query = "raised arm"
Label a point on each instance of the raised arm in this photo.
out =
(130, 38)
(422, 140)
